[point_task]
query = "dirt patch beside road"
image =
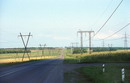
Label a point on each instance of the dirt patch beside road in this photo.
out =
(71, 76)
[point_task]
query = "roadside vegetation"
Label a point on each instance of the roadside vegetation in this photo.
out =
(99, 57)
(95, 74)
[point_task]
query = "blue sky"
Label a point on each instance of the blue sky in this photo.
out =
(55, 22)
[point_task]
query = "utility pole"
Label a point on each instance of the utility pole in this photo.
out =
(72, 45)
(42, 49)
(25, 44)
(89, 32)
(103, 43)
(90, 41)
(81, 40)
(125, 42)
(110, 46)
(76, 44)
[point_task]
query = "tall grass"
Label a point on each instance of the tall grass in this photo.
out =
(102, 57)
(110, 57)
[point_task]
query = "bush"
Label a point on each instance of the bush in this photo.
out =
(103, 49)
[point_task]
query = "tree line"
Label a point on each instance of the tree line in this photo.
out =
(5, 51)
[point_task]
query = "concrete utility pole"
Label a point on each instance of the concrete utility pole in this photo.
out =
(25, 44)
(125, 42)
(90, 32)
(81, 38)
(72, 45)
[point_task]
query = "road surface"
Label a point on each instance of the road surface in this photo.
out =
(46, 71)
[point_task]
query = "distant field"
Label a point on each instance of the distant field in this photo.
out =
(34, 55)
(106, 56)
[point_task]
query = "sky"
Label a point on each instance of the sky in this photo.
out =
(56, 22)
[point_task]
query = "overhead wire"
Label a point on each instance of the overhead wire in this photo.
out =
(117, 31)
(108, 19)
(109, 39)
(98, 19)
(115, 39)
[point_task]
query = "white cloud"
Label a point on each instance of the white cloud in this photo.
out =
(105, 35)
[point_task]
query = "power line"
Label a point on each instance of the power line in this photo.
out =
(108, 39)
(115, 39)
(102, 14)
(108, 18)
(117, 31)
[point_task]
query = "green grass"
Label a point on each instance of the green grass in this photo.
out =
(70, 59)
(111, 75)
(37, 53)
(72, 77)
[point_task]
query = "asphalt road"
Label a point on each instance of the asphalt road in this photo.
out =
(46, 71)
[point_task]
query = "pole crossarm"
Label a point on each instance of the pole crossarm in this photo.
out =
(85, 31)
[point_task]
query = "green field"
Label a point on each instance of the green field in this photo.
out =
(34, 55)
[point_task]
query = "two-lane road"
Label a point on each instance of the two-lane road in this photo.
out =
(46, 71)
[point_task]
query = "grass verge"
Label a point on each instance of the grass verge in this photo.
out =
(112, 74)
